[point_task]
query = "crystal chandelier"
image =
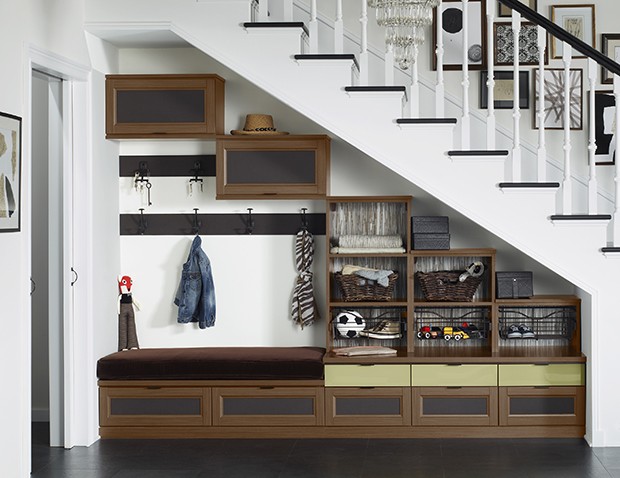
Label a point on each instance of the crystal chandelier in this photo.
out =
(405, 21)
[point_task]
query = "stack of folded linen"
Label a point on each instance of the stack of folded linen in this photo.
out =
(352, 244)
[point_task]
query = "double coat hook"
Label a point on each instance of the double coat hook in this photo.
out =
(196, 223)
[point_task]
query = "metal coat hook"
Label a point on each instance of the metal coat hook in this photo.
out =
(195, 171)
(249, 227)
(196, 224)
(142, 223)
(304, 219)
(141, 180)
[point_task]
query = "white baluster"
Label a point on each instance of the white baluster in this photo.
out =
(263, 11)
(612, 151)
(363, 78)
(542, 148)
(567, 205)
(313, 29)
(440, 88)
(592, 182)
(338, 29)
(490, 77)
(516, 108)
(413, 103)
(287, 13)
(465, 120)
(389, 65)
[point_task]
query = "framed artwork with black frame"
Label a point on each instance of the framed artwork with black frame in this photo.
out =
(452, 34)
(554, 98)
(10, 172)
(610, 48)
(503, 91)
(503, 47)
(579, 21)
(504, 11)
(604, 121)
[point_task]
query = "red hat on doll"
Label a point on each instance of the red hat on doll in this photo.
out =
(124, 284)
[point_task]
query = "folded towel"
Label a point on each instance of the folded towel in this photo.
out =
(369, 250)
(370, 241)
(364, 350)
(381, 276)
(348, 269)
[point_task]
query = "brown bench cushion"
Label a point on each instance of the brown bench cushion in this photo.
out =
(214, 363)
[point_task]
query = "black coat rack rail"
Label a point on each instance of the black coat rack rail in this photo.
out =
(220, 224)
(202, 165)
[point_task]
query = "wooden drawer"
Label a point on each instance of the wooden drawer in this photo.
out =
(267, 406)
(541, 406)
(387, 406)
(367, 375)
(517, 375)
(457, 375)
(455, 406)
(156, 406)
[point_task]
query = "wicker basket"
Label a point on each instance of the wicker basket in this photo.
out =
(355, 288)
(444, 286)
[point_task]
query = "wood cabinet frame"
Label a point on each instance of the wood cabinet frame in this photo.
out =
(507, 393)
(487, 393)
(403, 394)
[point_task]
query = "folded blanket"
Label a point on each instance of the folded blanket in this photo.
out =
(370, 250)
(370, 241)
(381, 276)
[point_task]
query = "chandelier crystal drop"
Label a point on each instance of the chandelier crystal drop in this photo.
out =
(405, 22)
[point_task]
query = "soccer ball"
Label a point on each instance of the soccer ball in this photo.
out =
(349, 324)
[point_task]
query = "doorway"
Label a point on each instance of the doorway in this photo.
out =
(47, 256)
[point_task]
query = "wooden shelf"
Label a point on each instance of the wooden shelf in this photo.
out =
(359, 305)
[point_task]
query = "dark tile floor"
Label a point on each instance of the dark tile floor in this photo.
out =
(321, 458)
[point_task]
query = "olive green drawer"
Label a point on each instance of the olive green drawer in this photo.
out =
(396, 375)
(533, 375)
(480, 375)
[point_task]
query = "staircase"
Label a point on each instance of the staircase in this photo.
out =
(378, 121)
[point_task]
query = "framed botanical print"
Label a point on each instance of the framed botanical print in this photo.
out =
(503, 48)
(578, 20)
(504, 11)
(611, 48)
(554, 98)
(10, 172)
(451, 12)
(604, 131)
(503, 91)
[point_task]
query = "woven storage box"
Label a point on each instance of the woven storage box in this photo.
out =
(355, 288)
(444, 286)
(514, 285)
(430, 225)
(422, 242)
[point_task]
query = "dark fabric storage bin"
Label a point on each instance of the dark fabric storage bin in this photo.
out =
(514, 284)
(430, 225)
(430, 241)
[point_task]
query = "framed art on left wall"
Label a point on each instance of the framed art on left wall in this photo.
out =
(10, 172)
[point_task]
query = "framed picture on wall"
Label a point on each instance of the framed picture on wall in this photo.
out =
(554, 98)
(611, 48)
(503, 48)
(578, 20)
(604, 121)
(504, 11)
(10, 172)
(503, 92)
(452, 34)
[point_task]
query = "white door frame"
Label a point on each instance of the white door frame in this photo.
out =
(80, 414)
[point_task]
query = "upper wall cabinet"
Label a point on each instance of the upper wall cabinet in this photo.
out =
(164, 106)
(272, 167)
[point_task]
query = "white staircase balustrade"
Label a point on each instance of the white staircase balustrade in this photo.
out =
(567, 183)
(541, 158)
(338, 29)
(363, 56)
(313, 29)
(491, 126)
(516, 108)
(613, 148)
(440, 91)
(465, 118)
(592, 182)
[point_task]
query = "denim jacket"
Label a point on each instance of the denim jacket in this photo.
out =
(196, 293)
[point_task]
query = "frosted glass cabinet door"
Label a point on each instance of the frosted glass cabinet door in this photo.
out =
(539, 406)
(455, 406)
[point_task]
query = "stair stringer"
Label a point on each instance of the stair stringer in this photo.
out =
(418, 155)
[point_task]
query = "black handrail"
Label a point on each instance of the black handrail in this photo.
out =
(563, 35)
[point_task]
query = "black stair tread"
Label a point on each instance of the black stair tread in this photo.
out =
(479, 152)
(327, 56)
(277, 25)
(580, 217)
(610, 249)
(375, 88)
(426, 120)
(529, 185)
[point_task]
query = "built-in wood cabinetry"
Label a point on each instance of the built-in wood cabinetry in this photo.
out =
(164, 106)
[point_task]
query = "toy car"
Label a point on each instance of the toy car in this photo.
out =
(455, 333)
(428, 332)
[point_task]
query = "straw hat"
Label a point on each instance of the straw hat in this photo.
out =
(259, 125)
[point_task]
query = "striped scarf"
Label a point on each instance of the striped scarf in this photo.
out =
(304, 310)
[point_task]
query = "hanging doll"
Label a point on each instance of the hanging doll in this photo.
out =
(127, 337)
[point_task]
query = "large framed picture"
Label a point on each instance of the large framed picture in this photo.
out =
(452, 34)
(604, 121)
(504, 11)
(10, 172)
(578, 20)
(554, 79)
(503, 91)
(611, 48)
(503, 48)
